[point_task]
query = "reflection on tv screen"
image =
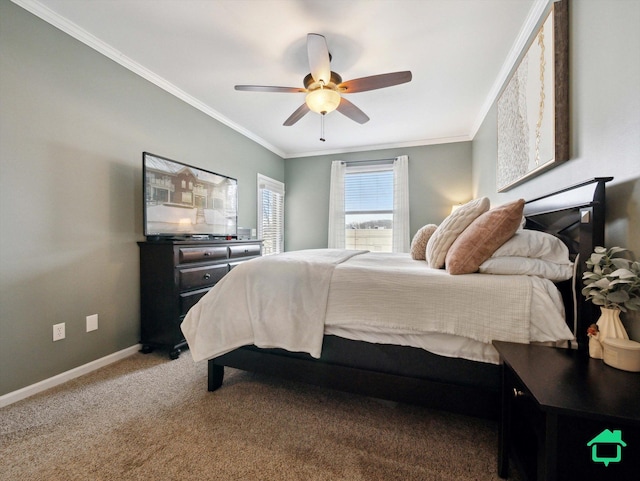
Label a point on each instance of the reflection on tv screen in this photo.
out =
(182, 200)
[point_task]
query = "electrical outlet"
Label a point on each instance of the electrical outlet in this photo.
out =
(92, 322)
(58, 331)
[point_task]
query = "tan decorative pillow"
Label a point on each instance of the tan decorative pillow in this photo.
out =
(419, 242)
(481, 239)
(451, 228)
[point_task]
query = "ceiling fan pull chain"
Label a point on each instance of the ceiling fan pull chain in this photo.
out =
(322, 139)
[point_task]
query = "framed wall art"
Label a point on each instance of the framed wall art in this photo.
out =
(533, 106)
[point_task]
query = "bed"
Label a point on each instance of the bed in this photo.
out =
(387, 360)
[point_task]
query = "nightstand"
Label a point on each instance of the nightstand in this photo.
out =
(565, 416)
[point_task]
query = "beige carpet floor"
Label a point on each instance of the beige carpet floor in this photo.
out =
(150, 418)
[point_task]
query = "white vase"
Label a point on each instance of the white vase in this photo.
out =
(610, 325)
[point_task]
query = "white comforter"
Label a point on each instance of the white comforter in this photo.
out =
(290, 300)
(272, 301)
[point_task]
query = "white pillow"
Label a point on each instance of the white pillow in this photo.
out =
(534, 244)
(526, 266)
(451, 228)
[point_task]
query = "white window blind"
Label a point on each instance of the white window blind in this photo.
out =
(368, 193)
(271, 214)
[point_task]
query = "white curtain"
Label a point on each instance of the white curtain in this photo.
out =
(401, 241)
(336, 238)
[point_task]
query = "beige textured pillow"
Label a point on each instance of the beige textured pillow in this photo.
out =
(419, 242)
(451, 228)
(481, 239)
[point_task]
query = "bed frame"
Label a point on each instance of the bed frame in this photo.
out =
(408, 374)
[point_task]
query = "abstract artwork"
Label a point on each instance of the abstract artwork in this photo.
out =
(533, 114)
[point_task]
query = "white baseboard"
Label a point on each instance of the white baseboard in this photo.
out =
(25, 392)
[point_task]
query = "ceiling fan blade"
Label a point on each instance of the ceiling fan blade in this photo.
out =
(354, 113)
(266, 88)
(375, 82)
(297, 115)
(319, 61)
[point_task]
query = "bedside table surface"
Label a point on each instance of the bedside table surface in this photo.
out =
(565, 380)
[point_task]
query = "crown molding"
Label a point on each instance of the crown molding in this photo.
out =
(537, 13)
(70, 28)
(367, 148)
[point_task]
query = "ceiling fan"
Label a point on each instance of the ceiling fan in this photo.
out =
(325, 88)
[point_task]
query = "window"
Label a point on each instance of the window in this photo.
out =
(271, 214)
(369, 205)
(368, 197)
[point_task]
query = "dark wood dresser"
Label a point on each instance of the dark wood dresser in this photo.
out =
(174, 275)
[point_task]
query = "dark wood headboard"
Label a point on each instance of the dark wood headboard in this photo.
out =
(575, 214)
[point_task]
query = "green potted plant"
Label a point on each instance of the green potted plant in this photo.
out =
(611, 281)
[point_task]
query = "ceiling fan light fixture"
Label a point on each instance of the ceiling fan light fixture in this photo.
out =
(324, 87)
(322, 100)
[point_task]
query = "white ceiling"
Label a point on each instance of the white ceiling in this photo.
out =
(459, 51)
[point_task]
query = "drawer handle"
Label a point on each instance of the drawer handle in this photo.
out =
(207, 276)
(517, 393)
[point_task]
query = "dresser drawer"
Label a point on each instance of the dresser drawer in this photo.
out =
(201, 254)
(201, 276)
(189, 299)
(248, 250)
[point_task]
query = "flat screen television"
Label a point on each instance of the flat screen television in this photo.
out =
(183, 201)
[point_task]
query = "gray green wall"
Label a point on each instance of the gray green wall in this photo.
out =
(605, 122)
(73, 125)
(439, 176)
